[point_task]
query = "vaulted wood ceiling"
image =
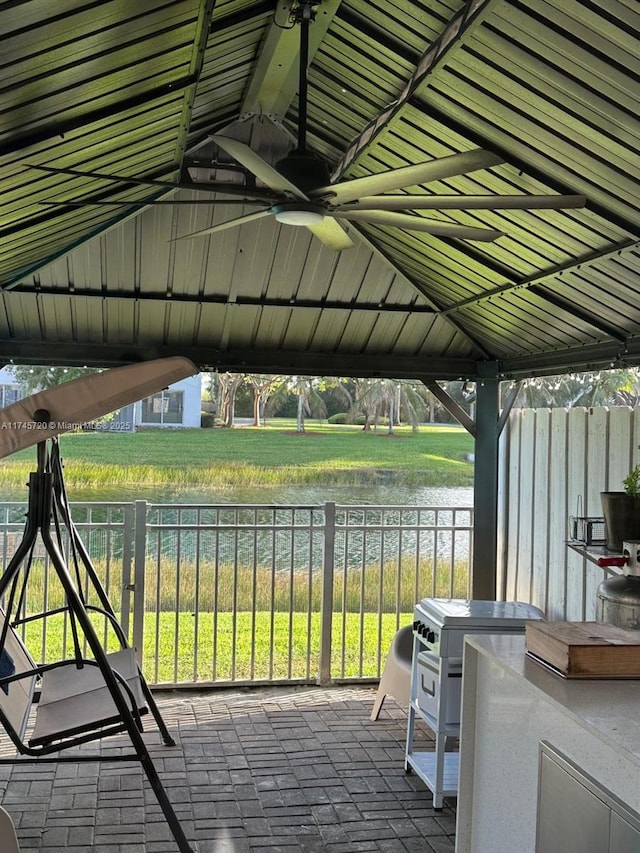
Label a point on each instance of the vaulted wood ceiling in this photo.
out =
(137, 89)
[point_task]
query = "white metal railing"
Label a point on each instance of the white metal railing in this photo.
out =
(254, 593)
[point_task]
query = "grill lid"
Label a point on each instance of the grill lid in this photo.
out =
(449, 612)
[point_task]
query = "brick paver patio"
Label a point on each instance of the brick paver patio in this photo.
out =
(291, 769)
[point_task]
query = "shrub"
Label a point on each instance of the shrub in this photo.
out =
(207, 420)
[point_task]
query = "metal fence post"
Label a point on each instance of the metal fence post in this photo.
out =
(139, 561)
(128, 531)
(326, 606)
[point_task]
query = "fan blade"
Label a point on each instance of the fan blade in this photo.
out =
(409, 176)
(222, 226)
(229, 189)
(264, 171)
(419, 223)
(469, 202)
(332, 234)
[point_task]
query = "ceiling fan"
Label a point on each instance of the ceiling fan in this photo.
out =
(299, 192)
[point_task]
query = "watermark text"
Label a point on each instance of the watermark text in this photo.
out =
(67, 426)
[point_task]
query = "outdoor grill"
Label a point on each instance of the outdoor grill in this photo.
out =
(439, 629)
(441, 623)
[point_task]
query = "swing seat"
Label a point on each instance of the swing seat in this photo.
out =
(73, 701)
(74, 705)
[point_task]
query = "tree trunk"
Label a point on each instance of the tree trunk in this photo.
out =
(256, 408)
(229, 384)
(300, 414)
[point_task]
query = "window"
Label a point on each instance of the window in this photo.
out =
(9, 394)
(165, 407)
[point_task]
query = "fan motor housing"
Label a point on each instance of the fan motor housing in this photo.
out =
(305, 170)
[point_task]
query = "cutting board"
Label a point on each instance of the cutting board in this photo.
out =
(585, 649)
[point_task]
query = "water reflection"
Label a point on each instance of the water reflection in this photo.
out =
(301, 495)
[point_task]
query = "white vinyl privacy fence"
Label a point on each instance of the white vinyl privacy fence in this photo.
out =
(255, 594)
(554, 464)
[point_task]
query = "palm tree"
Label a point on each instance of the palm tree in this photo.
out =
(307, 390)
(376, 398)
(595, 388)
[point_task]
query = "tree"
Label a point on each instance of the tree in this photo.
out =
(38, 377)
(307, 390)
(413, 402)
(595, 388)
(210, 389)
(263, 387)
(299, 396)
(376, 398)
(228, 384)
(338, 395)
(366, 402)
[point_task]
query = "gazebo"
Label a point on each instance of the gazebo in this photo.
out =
(112, 148)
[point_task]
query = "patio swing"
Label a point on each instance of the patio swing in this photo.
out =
(50, 707)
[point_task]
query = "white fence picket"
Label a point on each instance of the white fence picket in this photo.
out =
(576, 486)
(557, 511)
(525, 497)
(599, 451)
(567, 457)
(511, 508)
(540, 507)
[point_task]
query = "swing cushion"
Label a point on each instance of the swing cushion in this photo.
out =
(74, 700)
(16, 696)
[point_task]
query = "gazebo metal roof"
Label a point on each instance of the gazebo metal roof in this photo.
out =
(137, 89)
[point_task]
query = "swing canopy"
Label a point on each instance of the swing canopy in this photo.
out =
(73, 404)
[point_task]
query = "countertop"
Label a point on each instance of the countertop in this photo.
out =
(609, 708)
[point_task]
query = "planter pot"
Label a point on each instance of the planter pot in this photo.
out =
(621, 518)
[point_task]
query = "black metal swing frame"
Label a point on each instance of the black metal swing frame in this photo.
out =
(110, 684)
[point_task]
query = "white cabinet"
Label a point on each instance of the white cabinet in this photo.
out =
(510, 705)
(577, 813)
(570, 815)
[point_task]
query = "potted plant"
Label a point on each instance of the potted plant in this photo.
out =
(621, 512)
(631, 483)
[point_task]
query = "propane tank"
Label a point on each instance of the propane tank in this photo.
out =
(618, 598)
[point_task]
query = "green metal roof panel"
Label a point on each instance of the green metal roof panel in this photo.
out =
(551, 89)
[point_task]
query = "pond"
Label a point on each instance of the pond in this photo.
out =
(299, 495)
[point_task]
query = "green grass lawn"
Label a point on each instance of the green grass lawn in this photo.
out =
(269, 456)
(244, 646)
